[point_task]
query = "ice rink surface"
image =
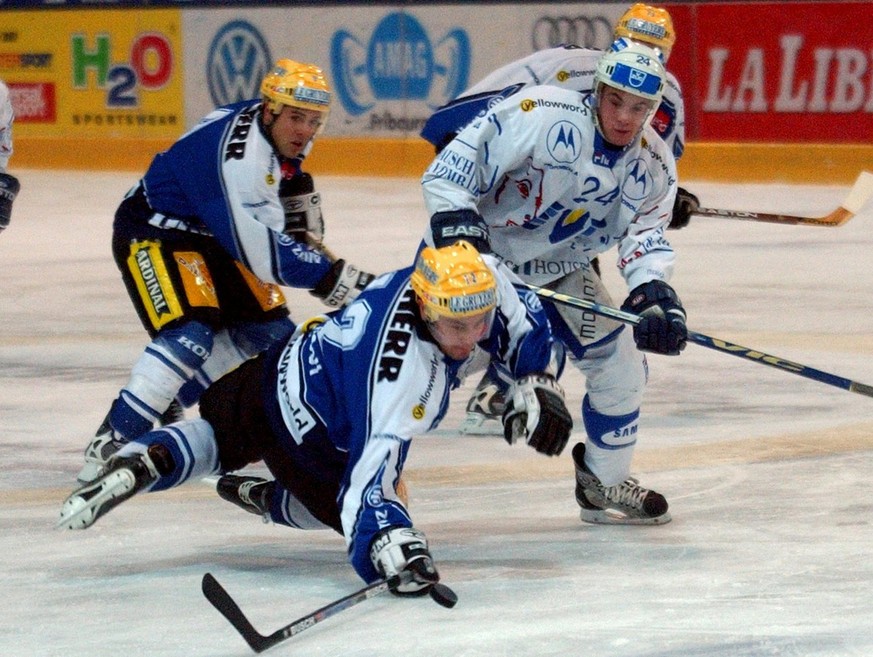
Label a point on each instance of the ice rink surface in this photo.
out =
(768, 474)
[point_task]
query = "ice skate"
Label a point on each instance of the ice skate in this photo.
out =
(104, 444)
(250, 493)
(485, 410)
(627, 503)
(123, 478)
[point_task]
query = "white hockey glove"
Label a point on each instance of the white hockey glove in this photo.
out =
(536, 413)
(303, 219)
(9, 187)
(399, 549)
(342, 284)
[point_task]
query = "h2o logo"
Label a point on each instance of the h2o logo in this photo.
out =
(149, 66)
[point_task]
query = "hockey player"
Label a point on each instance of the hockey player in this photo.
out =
(9, 185)
(216, 224)
(572, 67)
(567, 67)
(547, 180)
(332, 412)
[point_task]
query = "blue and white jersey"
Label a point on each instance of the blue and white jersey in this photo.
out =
(222, 178)
(553, 194)
(6, 117)
(358, 387)
(566, 67)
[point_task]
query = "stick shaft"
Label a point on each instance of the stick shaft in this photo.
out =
(860, 193)
(836, 218)
(224, 603)
(712, 343)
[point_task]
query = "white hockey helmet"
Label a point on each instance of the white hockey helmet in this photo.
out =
(632, 67)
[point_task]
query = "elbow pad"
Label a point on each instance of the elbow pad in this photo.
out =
(468, 225)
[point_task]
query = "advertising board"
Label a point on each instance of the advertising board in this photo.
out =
(105, 74)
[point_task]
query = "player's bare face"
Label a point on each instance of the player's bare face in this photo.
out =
(458, 336)
(293, 128)
(621, 115)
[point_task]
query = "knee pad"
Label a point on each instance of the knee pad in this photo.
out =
(615, 376)
(187, 345)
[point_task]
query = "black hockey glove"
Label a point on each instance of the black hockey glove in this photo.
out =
(536, 413)
(662, 327)
(396, 549)
(686, 204)
(9, 187)
(468, 225)
(303, 220)
(341, 285)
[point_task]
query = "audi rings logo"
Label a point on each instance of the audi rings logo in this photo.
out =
(582, 31)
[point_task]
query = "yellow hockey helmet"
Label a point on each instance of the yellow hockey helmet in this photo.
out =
(453, 281)
(651, 25)
(296, 84)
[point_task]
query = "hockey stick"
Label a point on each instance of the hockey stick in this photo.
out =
(860, 193)
(221, 600)
(712, 343)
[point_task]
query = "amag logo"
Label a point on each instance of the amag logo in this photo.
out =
(400, 62)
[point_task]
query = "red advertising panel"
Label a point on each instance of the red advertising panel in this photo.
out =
(33, 103)
(776, 72)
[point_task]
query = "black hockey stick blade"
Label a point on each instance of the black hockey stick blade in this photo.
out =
(860, 193)
(221, 600)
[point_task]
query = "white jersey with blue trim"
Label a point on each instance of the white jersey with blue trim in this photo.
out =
(551, 191)
(222, 178)
(565, 67)
(371, 377)
(6, 117)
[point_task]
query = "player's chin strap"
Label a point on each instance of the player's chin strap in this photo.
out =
(712, 343)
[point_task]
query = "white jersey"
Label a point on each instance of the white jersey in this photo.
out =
(6, 117)
(553, 194)
(567, 67)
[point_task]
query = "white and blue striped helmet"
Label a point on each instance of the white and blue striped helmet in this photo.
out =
(634, 68)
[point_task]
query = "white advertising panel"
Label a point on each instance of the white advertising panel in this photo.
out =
(389, 66)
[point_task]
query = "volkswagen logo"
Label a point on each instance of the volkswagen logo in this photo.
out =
(553, 31)
(238, 60)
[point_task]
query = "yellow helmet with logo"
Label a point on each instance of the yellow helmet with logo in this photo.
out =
(651, 25)
(453, 281)
(296, 84)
